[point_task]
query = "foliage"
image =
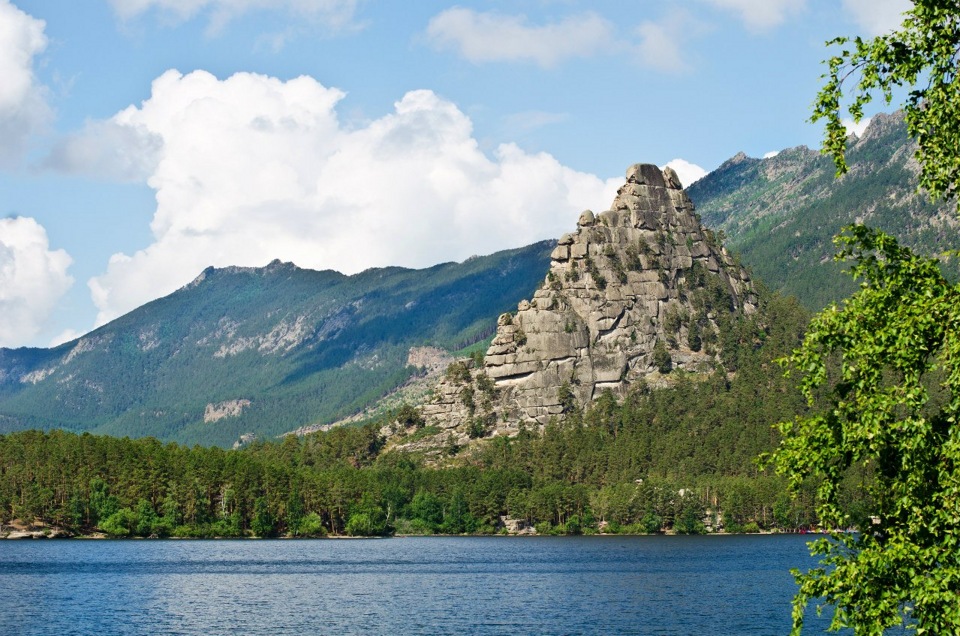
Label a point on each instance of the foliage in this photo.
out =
(367, 519)
(458, 372)
(885, 369)
(598, 279)
(408, 416)
(566, 398)
(677, 459)
(922, 53)
(520, 337)
(661, 358)
(887, 364)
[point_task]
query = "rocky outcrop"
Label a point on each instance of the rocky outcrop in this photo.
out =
(220, 410)
(634, 293)
(18, 529)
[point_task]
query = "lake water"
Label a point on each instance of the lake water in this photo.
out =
(431, 585)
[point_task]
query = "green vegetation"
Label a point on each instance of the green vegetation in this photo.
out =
(923, 52)
(303, 347)
(888, 361)
(677, 459)
(884, 368)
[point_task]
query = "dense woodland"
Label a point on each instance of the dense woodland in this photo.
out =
(681, 459)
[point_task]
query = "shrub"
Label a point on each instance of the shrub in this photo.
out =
(409, 416)
(661, 358)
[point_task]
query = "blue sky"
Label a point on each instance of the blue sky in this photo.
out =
(143, 140)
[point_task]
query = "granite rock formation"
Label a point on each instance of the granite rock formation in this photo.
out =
(634, 293)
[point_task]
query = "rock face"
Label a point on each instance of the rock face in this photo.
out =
(635, 292)
(230, 408)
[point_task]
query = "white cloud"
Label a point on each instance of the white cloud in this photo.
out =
(761, 15)
(496, 37)
(334, 13)
(115, 149)
(65, 336)
(493, 37)
(252, 168)
(771, 154)
(877, 16)
(518, 124)
(23, 107)
(856, 128)
(660, 41)
(688, 172)
(32, 279)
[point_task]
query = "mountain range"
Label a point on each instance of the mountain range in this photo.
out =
(264, 351)
(781, 213)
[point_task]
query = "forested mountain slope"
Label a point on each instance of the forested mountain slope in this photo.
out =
(781, 213)
(261, 350)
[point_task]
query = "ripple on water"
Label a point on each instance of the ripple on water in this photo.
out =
(430, 585)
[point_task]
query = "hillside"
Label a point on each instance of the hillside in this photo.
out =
(261, 350)
(781, 213)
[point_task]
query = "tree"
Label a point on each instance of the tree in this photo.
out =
(262, 523)
(367, 519)
(427, 506)
(120, 524)
(310, 525)
(408, 416)
(883, 369)
(886, 367)
(661, 358)
(923, 51)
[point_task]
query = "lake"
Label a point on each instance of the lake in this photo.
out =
(426, 585)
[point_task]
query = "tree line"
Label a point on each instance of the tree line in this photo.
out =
(678, 459)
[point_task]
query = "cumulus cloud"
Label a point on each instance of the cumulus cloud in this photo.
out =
(761, 15)
(65, 336)
(23, 107)
(116, 149)
(660, 41)
(856, 128)
(494, 37)
(877, 16)
(32, 279)
(334, 13)
(252, 168)
(688, 172)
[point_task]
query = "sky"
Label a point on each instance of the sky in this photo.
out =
(142, 141)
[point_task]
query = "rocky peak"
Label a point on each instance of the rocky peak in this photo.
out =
(633, 293)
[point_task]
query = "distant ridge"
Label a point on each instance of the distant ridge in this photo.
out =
(261, 351)
(781, 213)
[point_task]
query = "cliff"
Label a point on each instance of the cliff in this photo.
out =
(634, 293)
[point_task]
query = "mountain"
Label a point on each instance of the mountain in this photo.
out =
(781, 213)
(637, 293)
(262, 350)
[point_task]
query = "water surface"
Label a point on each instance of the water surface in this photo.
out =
(431, 585)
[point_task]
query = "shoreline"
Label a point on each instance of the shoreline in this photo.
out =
(61, 534)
